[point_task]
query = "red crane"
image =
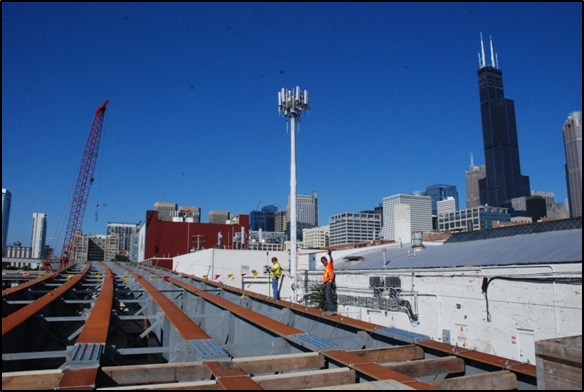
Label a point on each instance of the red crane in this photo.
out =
(84, 181)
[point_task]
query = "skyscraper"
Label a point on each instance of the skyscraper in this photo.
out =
(573, 146)
(6, 202)
(38, 237)
(504, 180)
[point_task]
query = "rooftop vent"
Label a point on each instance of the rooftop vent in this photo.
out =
(418, 240)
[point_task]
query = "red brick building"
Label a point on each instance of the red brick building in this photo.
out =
(169, 239)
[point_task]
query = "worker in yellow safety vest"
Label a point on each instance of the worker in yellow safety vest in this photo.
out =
(275, 273)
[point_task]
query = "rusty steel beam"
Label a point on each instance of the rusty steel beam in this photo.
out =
(493, 360)
(97, 324)
(232, 377)
(367, 368)
(274, 326)
(20, 316)
(500, 362)
(94, 332)
(81, 379)
(373, 370)
(26, 285)
(228, 374)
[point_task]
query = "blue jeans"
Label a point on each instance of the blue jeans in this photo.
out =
(328, 293)
(275, 294)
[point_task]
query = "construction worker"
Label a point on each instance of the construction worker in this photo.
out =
(328, 279)
(275, 273)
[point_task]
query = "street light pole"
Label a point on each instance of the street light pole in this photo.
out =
(291, 104)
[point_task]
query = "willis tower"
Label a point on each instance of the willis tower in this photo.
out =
(504, 180)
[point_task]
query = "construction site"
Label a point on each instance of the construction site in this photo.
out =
(107, 325)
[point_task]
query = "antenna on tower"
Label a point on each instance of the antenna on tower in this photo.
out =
(492, 53)
(471, 159)
(482, 57)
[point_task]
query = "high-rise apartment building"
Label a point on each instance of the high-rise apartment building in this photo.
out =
(307, 209)
(125, 231)
(165, 210)
(504, 180)
(38, 237)
(97, 248)
(573, 147)
(6, 202)
(420, 218)
(350, 228)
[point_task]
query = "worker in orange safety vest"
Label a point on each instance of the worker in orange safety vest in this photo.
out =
(328, 279)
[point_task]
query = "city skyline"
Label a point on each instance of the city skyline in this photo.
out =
(395, 107)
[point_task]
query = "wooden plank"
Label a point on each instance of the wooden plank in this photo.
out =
(303, 380)
(429, 367)
(280, 363)
(31, 381)
(559, 363)
(503, 380)
(291, 381)
(150, 374)
(385, 385)
(181, 386)
(391, 354)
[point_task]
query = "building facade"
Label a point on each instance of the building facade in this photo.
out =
(351, 227)
(307, 209)
(218, 217)
(125, 231)
(165, 210)
(18, 251)
(472, 219)
(39, 235)
(504, 180)
(549, 197)
(447, 206)
(573, 147)
(534, 205)
(264, 219)
(281, 217)
(6, 203)
(318, 237)
(420, 214)
(439, 192)
(473, 176)
(97, 248)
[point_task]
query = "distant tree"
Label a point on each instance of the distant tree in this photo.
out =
(119, 257)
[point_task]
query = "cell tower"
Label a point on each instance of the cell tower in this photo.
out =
(292, 104)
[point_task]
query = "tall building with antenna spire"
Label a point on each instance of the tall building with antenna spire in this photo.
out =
(503, 180)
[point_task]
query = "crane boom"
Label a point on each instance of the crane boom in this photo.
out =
(84, 181)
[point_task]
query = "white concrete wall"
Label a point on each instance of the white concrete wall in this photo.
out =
(231, 264)
(403, 223)
(522, 312)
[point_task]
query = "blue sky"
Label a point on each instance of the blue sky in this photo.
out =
(193, 117)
